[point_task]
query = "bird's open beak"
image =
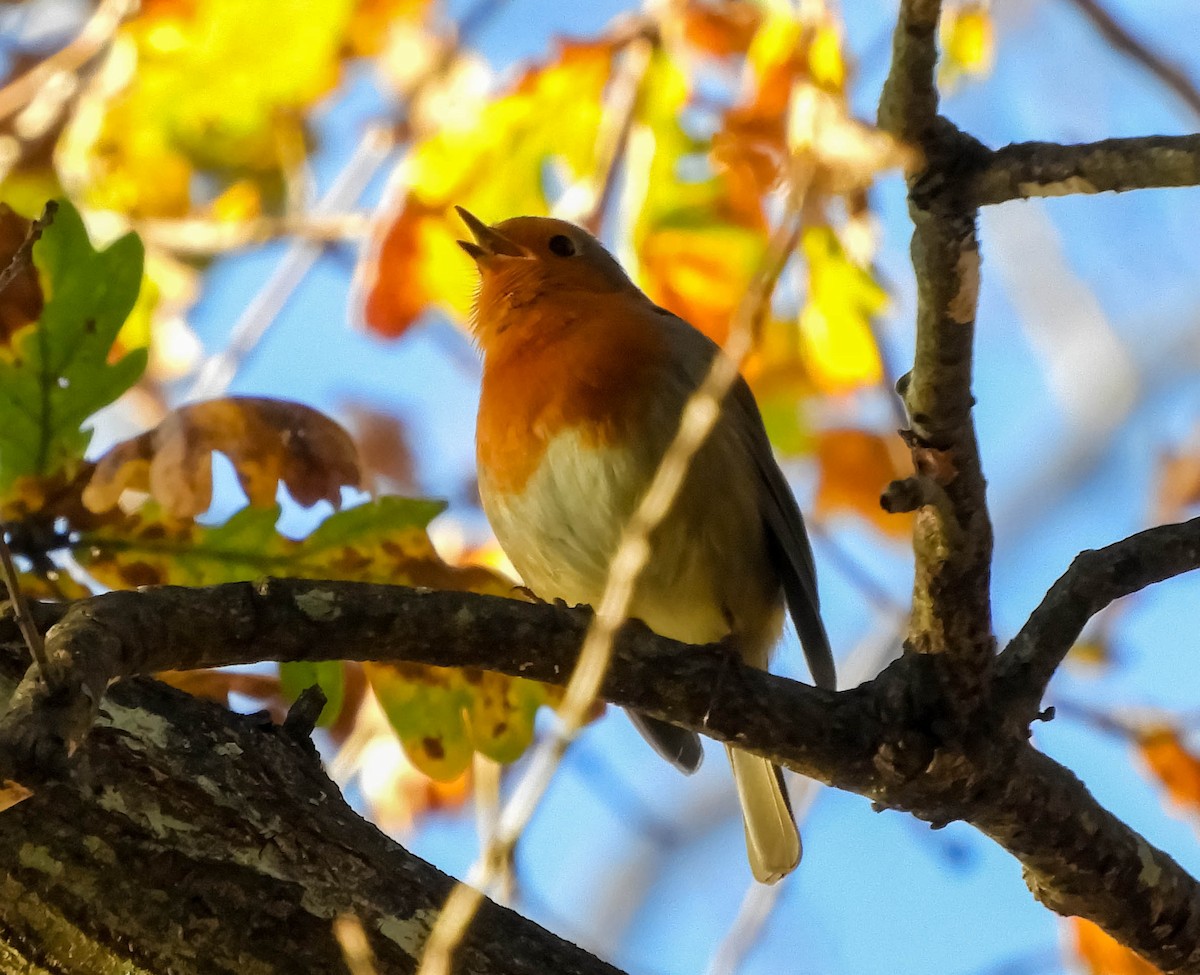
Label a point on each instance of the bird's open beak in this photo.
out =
(488, 242)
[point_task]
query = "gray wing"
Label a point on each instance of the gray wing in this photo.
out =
(787, 539)
(790, 551)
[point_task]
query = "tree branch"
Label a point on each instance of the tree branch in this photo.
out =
(1028, 169)
(205, 842)
(1095, 579)
(1136, 50)
(953, 541)
(893, 740)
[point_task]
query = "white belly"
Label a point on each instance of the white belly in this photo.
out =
(708, 574)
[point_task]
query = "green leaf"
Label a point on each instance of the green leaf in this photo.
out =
(56, 372)
(382, 541)
(329, 675)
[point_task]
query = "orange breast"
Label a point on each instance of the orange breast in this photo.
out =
(564, 368)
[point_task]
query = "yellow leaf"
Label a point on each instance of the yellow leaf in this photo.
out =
(968, 42)
(208, 93)
(825, 59)
(838, 344)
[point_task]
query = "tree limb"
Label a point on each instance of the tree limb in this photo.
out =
(1122, 40)
(1095, 579)
(202, 842)
(894, 740)
(952, 541)
(1029, 169)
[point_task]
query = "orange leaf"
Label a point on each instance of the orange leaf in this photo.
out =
(721, 27)
(268, 441)
(1104, 956)
(1173, 764)
(854, 468)
(396, 295)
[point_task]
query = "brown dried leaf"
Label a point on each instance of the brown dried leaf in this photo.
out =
(268, 441)
(383, 447)
(21, 302)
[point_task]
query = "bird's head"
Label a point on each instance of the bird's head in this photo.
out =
(526, 262)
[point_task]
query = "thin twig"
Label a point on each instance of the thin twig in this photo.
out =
(1124, 41)
(21, 607)
(217, 372)
(613, 139)
(23, 255)
(699, 416)
(96, 34)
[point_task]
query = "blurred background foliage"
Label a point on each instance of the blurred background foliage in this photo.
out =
(256, 239)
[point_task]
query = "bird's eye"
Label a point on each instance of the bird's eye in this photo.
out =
(562, 245)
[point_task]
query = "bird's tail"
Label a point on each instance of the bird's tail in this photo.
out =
(772, 840)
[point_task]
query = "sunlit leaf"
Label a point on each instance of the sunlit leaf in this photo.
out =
(839, 346)
(697, 243)
(496, 163)
(1174, 765)
(968, 42)
(1102, 955)
(721, 28)
(57, 372)
(209, 94)
(270, 442)
(854, 466)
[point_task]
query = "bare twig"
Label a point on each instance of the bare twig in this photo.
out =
(23, 255)
(1125, 41)
(96, 35)
(29, 630)
(1027, 169)
(1095, 579)
(218, 371)
(200, 237)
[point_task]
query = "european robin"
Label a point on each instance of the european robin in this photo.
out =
(584, 382)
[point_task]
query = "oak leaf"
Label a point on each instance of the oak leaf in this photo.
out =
(269, 442)
(56, 372)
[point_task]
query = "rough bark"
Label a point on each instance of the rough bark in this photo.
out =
(898, 740)
(190, 839)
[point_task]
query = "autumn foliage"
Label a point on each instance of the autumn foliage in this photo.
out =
(669, 134)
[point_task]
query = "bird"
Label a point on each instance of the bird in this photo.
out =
(584, 380)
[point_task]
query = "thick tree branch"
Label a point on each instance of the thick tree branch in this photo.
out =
(1028, 169)
(1095, 579)
(200, 841)
(895, 740)
(953, 540)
